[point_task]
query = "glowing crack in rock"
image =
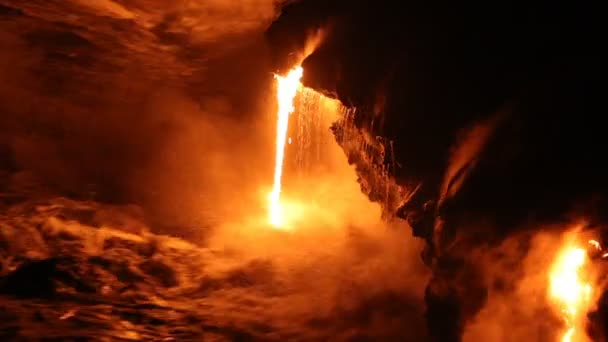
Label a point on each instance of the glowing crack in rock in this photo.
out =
(568, 289)
(287, 87)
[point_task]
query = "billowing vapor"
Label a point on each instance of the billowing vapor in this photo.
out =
(169, 106)
(495, 137)
(139, 140)
(334, 256)
(541, 286)
(130, 110)
(464, 155)
(517, 306)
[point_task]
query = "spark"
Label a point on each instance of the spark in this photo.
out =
(568, 289)
(287, 87)
(595, 244)
(69, 314)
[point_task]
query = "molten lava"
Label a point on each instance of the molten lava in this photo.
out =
(569, 290)
(287, 87)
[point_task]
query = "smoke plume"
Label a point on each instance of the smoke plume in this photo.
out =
(129, 101)
(168, 106)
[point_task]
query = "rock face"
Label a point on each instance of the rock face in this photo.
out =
(493, 113)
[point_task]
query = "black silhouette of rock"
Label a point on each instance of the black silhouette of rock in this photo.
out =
(40, 279)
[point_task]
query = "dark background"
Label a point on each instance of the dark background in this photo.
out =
(425, 75)
(152, 103)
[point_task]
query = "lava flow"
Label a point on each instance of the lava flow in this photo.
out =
(570, 291)
(287, 87)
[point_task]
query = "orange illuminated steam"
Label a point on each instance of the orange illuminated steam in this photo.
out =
(570, 291)
(287, 87)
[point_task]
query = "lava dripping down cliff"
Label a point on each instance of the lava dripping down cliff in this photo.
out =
(491, 118)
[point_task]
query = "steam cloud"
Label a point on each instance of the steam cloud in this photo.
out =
(127, 101)
(526, 98)
(162, 104)
(168, 106)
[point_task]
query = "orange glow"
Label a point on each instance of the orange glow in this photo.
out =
(287, 87)
(570, 291)
(595, 244)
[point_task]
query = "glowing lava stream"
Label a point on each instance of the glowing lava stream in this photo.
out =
(287, 87)
(568, 289)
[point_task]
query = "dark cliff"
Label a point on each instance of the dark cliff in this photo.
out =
(494, 112)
